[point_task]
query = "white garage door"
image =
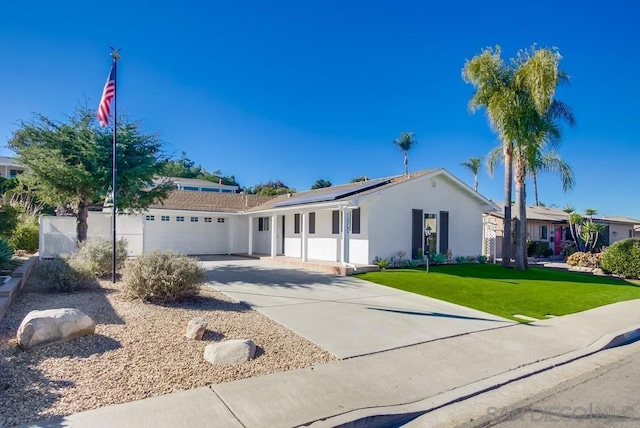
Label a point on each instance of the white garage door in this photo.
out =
(187, 234)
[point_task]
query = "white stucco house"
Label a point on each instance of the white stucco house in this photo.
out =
(351, 223)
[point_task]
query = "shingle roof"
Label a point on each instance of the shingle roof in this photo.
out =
(206, 201)
(558, 215)
(197, 182)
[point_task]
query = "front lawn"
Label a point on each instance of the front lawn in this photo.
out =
(536, 292)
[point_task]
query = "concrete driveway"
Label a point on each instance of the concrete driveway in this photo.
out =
(344, 315)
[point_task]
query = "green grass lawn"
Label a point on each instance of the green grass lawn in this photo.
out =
(536, 292)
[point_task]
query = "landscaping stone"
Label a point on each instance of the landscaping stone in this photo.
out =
(44, 328)
(196, 328)
(230, 351)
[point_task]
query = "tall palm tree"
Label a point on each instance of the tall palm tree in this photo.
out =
(405, 143)
(550, 161)
(473, 164)
(518, 99)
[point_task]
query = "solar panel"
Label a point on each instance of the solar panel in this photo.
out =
(327, 196)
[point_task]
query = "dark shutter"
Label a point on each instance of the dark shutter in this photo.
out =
(296, 223)
(443, 231)
(312, 223)
(355, 221)
(260, 224)
(417, 232)
(335, 222)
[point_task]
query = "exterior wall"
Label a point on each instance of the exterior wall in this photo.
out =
(261, 239)
(390, 217)
(292, 241)
(323, 245)
(618, 232)
(239, 235)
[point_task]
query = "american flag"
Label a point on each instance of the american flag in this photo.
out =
(109, 92)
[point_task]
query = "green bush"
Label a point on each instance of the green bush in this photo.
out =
(413, 263)
(461, 259)
(162, 277)
(26, 237)
(381, 263)
(539, 249)
(6, 253)
(62, 274)
(438, 259)
(482, 259)
(98, 255)
(8, 220)
(623, 258)
(590, 260)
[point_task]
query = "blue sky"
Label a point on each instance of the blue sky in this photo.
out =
(300, 91)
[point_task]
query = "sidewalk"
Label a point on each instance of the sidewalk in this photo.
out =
(401, 384)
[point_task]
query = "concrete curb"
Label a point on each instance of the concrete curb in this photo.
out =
(400, 414)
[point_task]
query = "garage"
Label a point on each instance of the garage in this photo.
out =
(186, 232)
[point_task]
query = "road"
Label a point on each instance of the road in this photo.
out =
(606, 397)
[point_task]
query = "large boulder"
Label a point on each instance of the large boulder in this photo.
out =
(230, 351)
(196, 328)
(44, 328)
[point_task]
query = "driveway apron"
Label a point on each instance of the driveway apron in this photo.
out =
(346, 316)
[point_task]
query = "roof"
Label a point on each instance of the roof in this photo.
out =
(5, 160)
(349, 192)
(558, 215)
(207, 201)
(197, 182)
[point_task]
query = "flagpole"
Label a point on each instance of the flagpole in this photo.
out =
(114, 54)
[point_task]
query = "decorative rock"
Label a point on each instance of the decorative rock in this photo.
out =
(230, 351)
(196, 328)
(44, 328)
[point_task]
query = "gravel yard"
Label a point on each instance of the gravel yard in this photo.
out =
(138, 351)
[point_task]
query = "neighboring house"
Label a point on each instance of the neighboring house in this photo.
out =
(9, 168)
(199, 185)
(552, 225)
(351, 223)
(637, 231)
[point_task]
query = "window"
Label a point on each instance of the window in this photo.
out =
(228, 191)
(543, 232)
(150, 218)
(207, 219)
(179, 218)
(296, 223)
(355, 221)
(13, 173)
(209, 189)
(194, 219)
(263, 224)
(165, 218)
(220, 219)
(312, 223)
(190, 188)
(335, 222)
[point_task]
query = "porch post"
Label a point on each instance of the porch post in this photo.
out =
(346, 230)
(304, 237)
(250, 219)
(274, 235)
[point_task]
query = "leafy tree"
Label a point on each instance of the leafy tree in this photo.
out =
(271, 188)
(549, 161)
(473, 164)
(518, 98)
(183, 167)
(405, 143)
(359, 179)
(70, 163)
(321, 184)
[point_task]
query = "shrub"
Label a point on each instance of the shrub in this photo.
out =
(8, 220)
(590, 260)
(62, 274)
(97, 254)
(413, 263)
(438, 259)
(461, 259)
(6, 253)
(623, 258)
(26, 237)
(163, 277)
(482, 259)
(381, 263)
(539, 249)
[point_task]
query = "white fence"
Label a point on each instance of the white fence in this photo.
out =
(58, 234)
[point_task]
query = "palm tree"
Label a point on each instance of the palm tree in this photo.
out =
(474, 166)
(518, 99)
(550, 161)
(405, 143)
